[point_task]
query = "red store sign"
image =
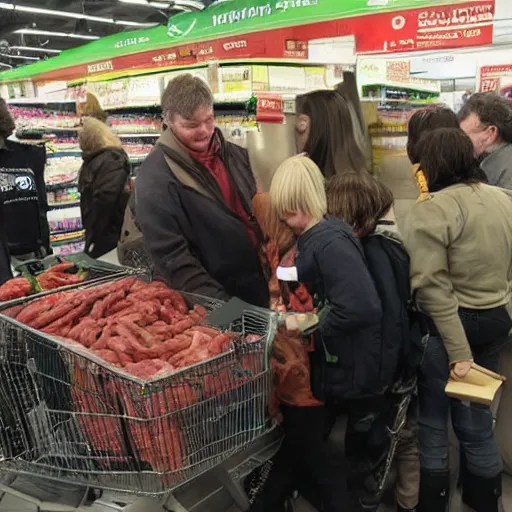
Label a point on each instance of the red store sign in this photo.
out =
(438, 27)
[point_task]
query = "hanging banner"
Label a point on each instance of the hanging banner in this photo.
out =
(273, 29)
(496, 79)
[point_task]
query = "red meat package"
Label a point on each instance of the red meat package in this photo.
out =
(153, 429)
(100, 422)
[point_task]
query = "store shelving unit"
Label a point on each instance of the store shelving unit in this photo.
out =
(392, 106)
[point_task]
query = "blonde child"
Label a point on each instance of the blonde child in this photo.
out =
(330, 262)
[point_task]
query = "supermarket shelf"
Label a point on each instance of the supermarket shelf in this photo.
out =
(388, 134)
(138, 159)
(49, 129)
(125, 133)
(35, 101)
(64, 204)
(140, 106)
(59, 186)
(138, 135)
(67, 236)
(411, 102)
(60, 154)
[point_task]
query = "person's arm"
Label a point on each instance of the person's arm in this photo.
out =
(158, 212)
(348, 286)
(107, 189)
(427, 235)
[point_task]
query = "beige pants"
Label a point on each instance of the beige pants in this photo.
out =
(407, 460)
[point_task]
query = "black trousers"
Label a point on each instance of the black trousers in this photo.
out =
(305, 457)
(367, 441)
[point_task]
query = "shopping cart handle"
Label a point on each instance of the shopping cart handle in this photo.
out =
(230, 312)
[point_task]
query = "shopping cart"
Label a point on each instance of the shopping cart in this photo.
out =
(97, 272)
(70, 417)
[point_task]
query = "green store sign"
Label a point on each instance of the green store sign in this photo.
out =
(222, 19)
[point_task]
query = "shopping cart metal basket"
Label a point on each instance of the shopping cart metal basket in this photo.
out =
(69, 416)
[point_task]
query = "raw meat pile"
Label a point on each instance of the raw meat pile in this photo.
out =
(127, 323)
(149, 332)
(55, 277)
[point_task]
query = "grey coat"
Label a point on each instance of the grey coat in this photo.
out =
(497, 165)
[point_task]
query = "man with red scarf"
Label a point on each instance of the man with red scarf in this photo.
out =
(193, 202)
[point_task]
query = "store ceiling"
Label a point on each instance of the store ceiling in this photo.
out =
(20, 44)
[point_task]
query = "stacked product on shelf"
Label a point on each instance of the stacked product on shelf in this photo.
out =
(64, 217)
(131, 123)
(138, 127)
(41, 118)
(53, 123)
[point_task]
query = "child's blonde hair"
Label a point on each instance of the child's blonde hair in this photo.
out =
(298, 186)
(96, 135)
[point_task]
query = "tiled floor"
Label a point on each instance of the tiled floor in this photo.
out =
(13, 504)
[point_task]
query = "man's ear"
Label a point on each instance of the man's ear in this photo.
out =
(167, 121)
(495, 135)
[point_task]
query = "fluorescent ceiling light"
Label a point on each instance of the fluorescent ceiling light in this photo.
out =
(35, 32)
(189, 3)
(156, 5)
(22, 57)
(73, 15)
(35, 49)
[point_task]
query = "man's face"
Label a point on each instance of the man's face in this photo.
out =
(195, 133)
(481, 135)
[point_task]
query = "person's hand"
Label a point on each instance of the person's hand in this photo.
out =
(460, 369)
(292, 323)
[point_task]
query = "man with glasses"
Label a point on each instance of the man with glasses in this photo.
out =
(487, 120)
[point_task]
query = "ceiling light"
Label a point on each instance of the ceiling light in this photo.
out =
(35, 32)
(35, 49)
(146, 3)
(74, 15)
(22, 57)
(190, 3)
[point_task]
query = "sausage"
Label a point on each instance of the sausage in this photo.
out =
(108, 355)
(13, 311)
(182, 326)
(210, 331)
(56, 313)
(100, 307)
(39, 307)
(69, 318)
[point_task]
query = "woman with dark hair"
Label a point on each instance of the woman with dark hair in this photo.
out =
(459, 237)
(328, 131)
(428, 119)
(424, 120)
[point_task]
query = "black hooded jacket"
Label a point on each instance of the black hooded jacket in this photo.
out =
(347, 359)
(103, 185)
